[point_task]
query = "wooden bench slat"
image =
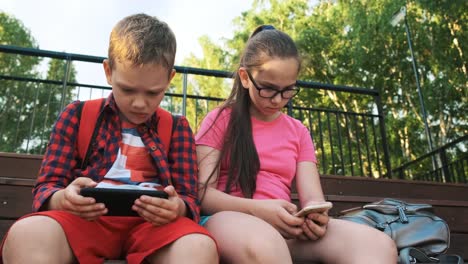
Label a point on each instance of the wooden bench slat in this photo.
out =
(22, 166)
(450, 201)
(459, 245)
(15, 201)
(363, 186)
(4, 225)
(17, 181)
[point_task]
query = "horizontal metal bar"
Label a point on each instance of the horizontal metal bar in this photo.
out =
(180, 69)
(435, 151)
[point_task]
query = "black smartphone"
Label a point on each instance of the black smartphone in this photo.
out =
(119, 202)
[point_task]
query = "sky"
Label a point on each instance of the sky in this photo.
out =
(83, 26)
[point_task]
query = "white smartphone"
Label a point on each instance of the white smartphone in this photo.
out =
(319, 207)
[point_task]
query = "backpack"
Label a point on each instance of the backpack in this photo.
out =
(420, 235)
(90, 118)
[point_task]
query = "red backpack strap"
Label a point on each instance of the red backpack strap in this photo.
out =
(164, 127)
(89, 117)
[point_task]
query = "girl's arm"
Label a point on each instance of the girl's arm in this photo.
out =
(310, 191)
(213, 200)
(308, 183)
(276, 212)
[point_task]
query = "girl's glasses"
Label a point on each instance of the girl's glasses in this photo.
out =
(268, 92)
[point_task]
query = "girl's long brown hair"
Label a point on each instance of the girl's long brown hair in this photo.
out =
(238, 148)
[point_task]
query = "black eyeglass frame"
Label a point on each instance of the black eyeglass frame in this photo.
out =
(296, 89)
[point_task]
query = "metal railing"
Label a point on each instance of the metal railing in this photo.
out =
(450, 166)
(347, 143)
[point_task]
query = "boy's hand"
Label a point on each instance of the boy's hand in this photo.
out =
(70, 200)
(159, 211)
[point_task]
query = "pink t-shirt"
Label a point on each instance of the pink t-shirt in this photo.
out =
(281, 144)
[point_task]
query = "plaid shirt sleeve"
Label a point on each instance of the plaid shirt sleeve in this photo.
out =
(184, 168)
(56, 171)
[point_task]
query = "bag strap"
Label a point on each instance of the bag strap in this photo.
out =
(165, 127)
(450, 258)
(411, 255)
(86, 131)
(89, 111)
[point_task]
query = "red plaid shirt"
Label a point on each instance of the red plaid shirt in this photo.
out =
(60, 165)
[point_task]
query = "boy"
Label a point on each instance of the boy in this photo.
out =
(69, 228)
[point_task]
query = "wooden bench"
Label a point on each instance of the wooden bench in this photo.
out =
(450, 201)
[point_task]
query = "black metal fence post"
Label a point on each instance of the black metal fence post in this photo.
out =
(383, 132)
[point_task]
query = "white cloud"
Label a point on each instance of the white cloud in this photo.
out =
(83, 26)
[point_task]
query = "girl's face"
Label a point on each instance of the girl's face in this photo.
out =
(276, 74)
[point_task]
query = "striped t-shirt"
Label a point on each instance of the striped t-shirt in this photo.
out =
(133, 167)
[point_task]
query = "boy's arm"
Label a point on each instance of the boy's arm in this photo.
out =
(59, 160)
(183, 167)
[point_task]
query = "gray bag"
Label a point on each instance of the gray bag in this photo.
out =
(411, 255)
(409, 225)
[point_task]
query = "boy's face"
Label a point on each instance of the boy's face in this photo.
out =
(138, 90)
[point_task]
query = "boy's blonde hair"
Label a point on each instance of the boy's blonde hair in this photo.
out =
(141, 39)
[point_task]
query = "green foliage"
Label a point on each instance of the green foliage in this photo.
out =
(342, 42)
(213, 58)
(25, 124)
(353, 43)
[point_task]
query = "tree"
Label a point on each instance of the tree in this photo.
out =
(352, 43)
(364, 50)
(25, 125)
(213, 58)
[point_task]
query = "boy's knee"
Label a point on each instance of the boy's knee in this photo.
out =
(36, 223)
(25, 237)
(198, 243)
(32, 230)
(25, 228)
(199, 247)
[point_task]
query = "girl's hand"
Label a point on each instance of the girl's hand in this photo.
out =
(278, 213)
(70, 200)
(159, 211)
(314, 226)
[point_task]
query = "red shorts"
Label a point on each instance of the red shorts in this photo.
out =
(112, 237)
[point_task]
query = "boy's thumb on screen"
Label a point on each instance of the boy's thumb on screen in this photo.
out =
(84, 182)
(170, 190)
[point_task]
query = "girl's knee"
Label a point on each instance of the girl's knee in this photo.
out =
(264, 243)
(379, 239)
(260, 244)
(364, 241)
(380, 244)
(244, 238)
(387, 244)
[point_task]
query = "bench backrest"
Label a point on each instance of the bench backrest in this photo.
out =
(450, 201)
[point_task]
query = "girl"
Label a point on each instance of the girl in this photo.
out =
(249, 152)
